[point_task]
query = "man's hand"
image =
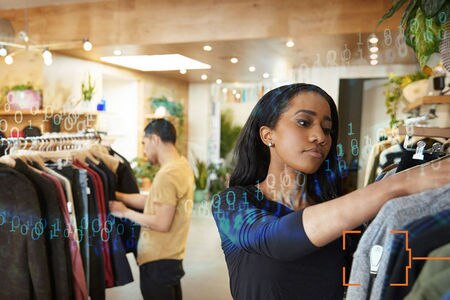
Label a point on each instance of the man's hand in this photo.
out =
(117, 209)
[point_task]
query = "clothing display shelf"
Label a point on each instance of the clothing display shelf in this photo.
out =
(428, 100)
(427, 131)
(43, 119)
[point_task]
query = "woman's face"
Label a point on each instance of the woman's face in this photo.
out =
(302, 135)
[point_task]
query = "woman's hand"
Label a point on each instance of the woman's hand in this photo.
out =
(420, 178)
(117, 209)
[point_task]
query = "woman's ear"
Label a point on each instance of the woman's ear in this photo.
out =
(266, 135)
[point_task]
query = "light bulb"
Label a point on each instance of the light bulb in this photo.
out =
(117, 52)
(266, 75)
(252, 68)
(183, 71)
(9, 60)
(224, 90)
(238, 96)
(233, 92)
(373, 49)
(234, 60)
(207, 48)
(46, 55)
(219, 81)
(373, 56)
(373, 38)
(290, 44)
(87, 45)
(204, 77)
(373, 62)
(3, 51)
(48, 61)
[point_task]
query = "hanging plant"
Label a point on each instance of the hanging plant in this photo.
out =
(394, 92)
(423, 25)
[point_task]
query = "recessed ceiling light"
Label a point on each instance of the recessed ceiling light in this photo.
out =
(9, 60)
(224, 90)
(373, 56)
(373, 38)
(164, 62)
(207, 48)
(204, 77)
(234, 60)
(219, 81)
(290, 44)
(373, 49)
(373, 62)
(252, 68)
(117, 52)
(183, 71)
(266, 75)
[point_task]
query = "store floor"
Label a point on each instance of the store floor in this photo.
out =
(206, 272)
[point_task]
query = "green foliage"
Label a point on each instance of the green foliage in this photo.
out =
(17, 87)
(174, 108)
(422, 22)
(201, 176)
(142, 168)
(218, 177)
(87, 89)
(394, 91)
(22, 87)
(228, 133)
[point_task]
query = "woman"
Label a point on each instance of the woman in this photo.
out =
(282, 218)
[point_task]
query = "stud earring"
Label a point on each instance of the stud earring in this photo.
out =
(270, 144)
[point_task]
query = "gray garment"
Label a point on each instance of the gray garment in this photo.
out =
(85, 227)
(394, 215)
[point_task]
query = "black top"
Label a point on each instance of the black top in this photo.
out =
(268, 253)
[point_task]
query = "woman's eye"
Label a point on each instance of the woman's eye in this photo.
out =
(303, 123)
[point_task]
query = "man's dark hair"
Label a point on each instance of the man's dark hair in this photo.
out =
(162, 128)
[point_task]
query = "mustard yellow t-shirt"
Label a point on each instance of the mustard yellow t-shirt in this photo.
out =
(173, 185)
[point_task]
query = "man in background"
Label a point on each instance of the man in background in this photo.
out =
(166, 214)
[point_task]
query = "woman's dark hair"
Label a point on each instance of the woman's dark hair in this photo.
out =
(252, 156)
(162, 128)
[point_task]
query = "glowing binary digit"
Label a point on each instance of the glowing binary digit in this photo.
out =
(387, 37)
(354, 145)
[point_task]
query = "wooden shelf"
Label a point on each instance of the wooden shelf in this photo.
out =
(426, 100)
(427, 131)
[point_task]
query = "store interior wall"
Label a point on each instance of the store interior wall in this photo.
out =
(199, 121)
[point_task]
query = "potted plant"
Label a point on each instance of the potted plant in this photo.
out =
(423, 26)
(219, 174)
(87, 89)
(229, 133)
(201, 179)
(144, 172)
(23, 97)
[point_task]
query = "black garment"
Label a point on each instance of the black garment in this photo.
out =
(407, 160)
(268, 253)
(96, 267)
(23, 263)
(420, 246)
(126, 183)
(161, 279)
(58, 252)
(121, 267)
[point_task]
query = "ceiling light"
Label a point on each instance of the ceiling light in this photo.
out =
(9, 60)
(238, 96)
(204, 77)
(373, 38)
(266, 75)
(290, 44)
(183, 71)
(3, 51)
(219, 81)
(373, 56)
(373, 62)
(373, 49)
(233, 92)
(48, 61)
(207, 48)
(87, 45)
(252, 68)
(224, 90)
(117, 52)
(164, 62)
(46, 54)
(234, 60)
